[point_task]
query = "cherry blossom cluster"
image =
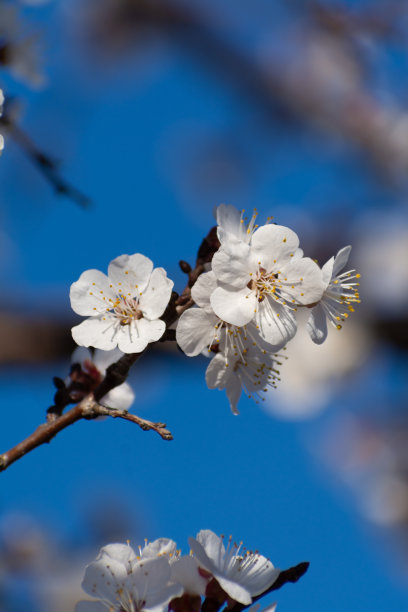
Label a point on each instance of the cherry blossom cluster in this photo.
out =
(244, 303)
(19, 49)
(159, 577)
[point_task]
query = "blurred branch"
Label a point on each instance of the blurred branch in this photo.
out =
(44, 163)
(354, 114)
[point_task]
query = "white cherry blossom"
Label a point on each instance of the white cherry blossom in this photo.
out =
(123, 307)
(252, 371)
(93, 369)
(199, 330)
(341, 292)
(265, 281)
(121, 582)
(242, 575)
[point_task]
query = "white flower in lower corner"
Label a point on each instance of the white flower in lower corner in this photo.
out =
(242, 575)
(184, 569)
(338, 298)
(123, 307)
(90, 373)
(121, 582)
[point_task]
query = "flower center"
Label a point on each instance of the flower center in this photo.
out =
(127, 309)
(264, 283)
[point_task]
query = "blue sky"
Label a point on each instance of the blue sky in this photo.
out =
(156, 143)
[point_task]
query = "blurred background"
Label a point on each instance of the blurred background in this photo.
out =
(125, 123)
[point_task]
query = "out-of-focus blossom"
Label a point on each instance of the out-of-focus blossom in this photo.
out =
(242, 575)
(381, 254)
(23, 59)
(123, 307)
(91, 371)
(371, 459)
(312, 373)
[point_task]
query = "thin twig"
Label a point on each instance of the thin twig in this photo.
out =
(159, 428)
(88, 409)
(44, 163)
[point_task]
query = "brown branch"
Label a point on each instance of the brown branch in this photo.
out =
(43, 162)
(116, 374)
(159, 428)
(88, 409)
(45, 432)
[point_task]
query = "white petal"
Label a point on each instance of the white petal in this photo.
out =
(158, 600)
(233, 390)
(234, 307)
(217, 373)
(232, 265)
(121, 397)
(122, 553)
(90, 294)
(341, 259)
(275, 324)
(130, 273)
(156, 296)
(317, 325)
(236, 591)
(205, 541)
(273, 245)
(100, 332)
(161, 546)
(228, 221)
(327, 271)
(150, 580)
(102, 582)
(260, 576)
(185, 572)
(202, 289)
(134, 338)
(195, 331)
(303, 281)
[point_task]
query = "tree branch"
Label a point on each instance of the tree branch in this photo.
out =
(88, 408)
(116, 374)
